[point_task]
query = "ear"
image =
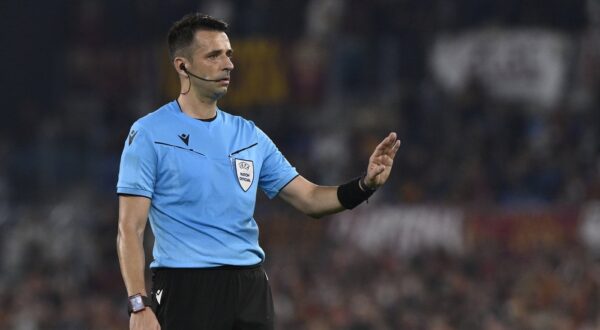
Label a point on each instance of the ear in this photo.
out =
(180, 63)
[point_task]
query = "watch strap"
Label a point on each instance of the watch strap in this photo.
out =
(146, 301)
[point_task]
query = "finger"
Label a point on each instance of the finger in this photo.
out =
(392, 135)
(385, 144)
(389, 154)
(390, 139)
(386, 160)
(392, 149)
(395, 148)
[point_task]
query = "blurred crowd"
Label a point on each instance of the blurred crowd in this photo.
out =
(487, 288)
(326, 79)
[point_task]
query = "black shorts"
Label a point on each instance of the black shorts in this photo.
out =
(223, 298)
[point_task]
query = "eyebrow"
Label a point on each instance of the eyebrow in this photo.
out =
(219, 51)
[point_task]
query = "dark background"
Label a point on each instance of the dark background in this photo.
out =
(326, 79)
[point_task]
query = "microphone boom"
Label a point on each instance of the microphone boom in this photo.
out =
(197, 77)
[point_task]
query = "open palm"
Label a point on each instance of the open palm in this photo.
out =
(381, 161)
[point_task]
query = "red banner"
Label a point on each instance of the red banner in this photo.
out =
(522, 230)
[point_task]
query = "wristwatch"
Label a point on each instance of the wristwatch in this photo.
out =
(137, 303)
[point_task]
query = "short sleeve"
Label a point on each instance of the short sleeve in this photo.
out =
(276, 172)
(137, 172)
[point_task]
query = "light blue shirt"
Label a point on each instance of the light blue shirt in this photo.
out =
(202, 178)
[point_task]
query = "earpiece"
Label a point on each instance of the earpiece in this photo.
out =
(182, 67)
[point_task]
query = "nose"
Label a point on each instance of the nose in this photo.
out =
(228, 63)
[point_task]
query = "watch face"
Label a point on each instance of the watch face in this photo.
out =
(136, 303)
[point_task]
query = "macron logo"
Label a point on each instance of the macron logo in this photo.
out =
(185, 138)
(132, 136)
(158, 295)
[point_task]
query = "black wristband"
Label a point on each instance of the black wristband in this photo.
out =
(350, 194)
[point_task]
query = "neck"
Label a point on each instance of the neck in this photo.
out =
(197, 107)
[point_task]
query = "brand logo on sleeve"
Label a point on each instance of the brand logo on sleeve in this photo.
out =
(244, 170)
(132, 135)
(185, 138)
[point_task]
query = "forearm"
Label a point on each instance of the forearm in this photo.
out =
(131, 260)
(317, 201)
(311, 199)
(323, 201)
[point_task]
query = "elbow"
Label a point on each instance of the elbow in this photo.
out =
(310, 211)
(316, 211)
(123, 231)
(122, 235)
(127, 237)
(315, 215)
(128, 230)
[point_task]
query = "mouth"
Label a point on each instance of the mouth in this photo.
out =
(223, 81)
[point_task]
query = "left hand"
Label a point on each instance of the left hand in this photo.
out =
(381, 161)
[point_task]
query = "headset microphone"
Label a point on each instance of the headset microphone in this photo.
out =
(184, 69)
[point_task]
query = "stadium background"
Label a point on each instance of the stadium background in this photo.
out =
(490, 220)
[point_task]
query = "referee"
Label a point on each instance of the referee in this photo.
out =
(194, 170)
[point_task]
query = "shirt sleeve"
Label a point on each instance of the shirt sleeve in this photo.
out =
(276, 172)
(137, 172)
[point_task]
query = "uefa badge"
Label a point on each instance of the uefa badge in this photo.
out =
(244, 170)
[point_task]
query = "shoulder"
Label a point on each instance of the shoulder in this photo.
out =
(241, 125)
(156, 120)
(235, 120)
(247, 129)
(157, 116)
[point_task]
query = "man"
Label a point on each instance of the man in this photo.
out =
(194, 171)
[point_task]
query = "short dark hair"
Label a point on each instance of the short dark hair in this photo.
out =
(181, 34)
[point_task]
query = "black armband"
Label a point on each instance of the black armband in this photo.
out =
(351, 194)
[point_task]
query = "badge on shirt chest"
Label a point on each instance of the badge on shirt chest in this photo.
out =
(244, 170)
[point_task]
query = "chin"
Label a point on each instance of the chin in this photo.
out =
(219, 94)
